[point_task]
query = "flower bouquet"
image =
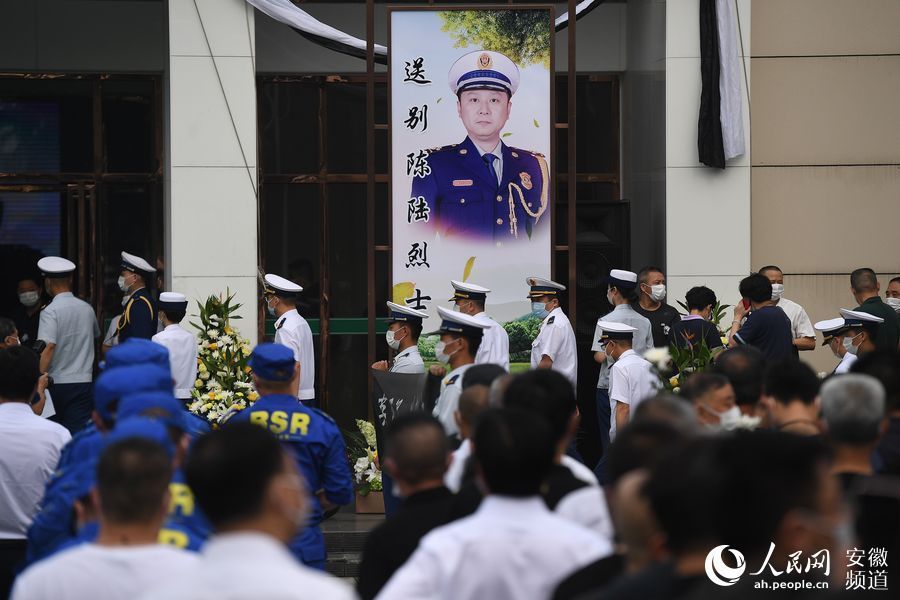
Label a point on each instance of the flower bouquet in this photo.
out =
(363, 455)
(223, 378)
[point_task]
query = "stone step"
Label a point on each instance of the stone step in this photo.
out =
(345, 535)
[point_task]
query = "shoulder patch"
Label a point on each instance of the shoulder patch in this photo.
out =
(452, 380)
(280, 323)
(551, 319)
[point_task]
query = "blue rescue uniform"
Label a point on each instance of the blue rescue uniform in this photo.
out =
(464, 197)
(139, 319)
(186, 526)
(315, 441)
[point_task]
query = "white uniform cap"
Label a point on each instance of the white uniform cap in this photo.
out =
(626, 279)
(468, 291)
(172, 300)
(405, 313)
(543, 287)
(278, 285)
(136, 264)
(610, 330)
(55, 266)
(859, 318)
(457, 322)
(483, 70)
(830, 328)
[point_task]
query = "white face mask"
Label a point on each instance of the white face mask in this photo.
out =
(609, 297)
(777, 291)
(657, 292)
(728, 419)
(270, 309)
(121, 283)
(539, 310)
(848, 345)
(392, 341)
(439, 353)
(893, 303)
(29, 299)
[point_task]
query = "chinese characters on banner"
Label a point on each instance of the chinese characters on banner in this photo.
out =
(471, 184)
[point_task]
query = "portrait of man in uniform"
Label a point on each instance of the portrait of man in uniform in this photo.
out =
(481, 187)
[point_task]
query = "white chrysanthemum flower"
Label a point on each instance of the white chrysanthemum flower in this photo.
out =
(213, 334)
(225, 340)
(659, 357)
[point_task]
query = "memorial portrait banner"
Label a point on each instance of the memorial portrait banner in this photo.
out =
(471, 173)
(396, 394)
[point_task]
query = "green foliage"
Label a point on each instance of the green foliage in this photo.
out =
(522, 35)
(426, 347)
(521, 334)
(695, 358)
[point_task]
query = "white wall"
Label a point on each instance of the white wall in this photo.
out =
(707, 210)
(601, 40)
(211, 209)
(82, 36)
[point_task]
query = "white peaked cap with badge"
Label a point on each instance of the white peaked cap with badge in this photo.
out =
(483, 70)
(279, 285)
(405, 313)
(133, 263)
(859, 318)
(610, 330)
(830, 328)
(457, 322)
(55, 266)
(465, 291)
(543, 287)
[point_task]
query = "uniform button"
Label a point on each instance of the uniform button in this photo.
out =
(499, 221)
(529, 205)
(463, 201)
(499, 198)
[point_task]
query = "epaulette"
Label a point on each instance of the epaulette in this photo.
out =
(439, 148)
(452, 380)
(280, 323)
(516, 152)
(550, 320)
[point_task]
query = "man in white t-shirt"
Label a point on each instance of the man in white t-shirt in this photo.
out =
(801, 327)
(133, 474)
(631, 377)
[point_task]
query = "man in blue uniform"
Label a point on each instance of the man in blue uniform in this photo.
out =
(481, 187)
(139, 319)
(310, 435)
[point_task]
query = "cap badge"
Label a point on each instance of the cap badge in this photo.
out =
(485, 61)
(526, 180)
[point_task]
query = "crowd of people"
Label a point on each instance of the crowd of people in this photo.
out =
(756, 471)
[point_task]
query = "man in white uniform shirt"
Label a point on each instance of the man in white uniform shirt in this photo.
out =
(631, 378)
(801, 327)
(132, 493)
(513, 547)
(69, 327)
(460, 337)
(402, 336)
(182, 344)
(293, 331)
(554, 347)
(29, 451)
(253, 495)
(470, 299)
(833, 334)
(621, 293)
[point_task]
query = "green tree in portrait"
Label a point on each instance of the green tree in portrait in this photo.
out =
(522, 35)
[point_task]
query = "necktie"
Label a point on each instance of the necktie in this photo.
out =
(489, 161)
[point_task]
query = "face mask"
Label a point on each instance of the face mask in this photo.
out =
(609, 297)
(456, 308)
(777, 291)
(29, 299)
(439, 353)
(848, 345)
(270, 309)
(657, 292)
(893, 303)
(833, 351)
(539, 309)
(728, 419)
(121, 283)
(392, 342)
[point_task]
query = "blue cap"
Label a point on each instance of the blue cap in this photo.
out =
(141, 427)
(161, 406)
(114, 384)
(137, 351)
(272, 362)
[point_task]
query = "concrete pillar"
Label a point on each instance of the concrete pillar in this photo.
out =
(707, 210)
(210, 200)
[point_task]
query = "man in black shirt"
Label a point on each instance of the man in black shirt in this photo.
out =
(766, 326)
(417, 455)
(652, 287)
(696, 328)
